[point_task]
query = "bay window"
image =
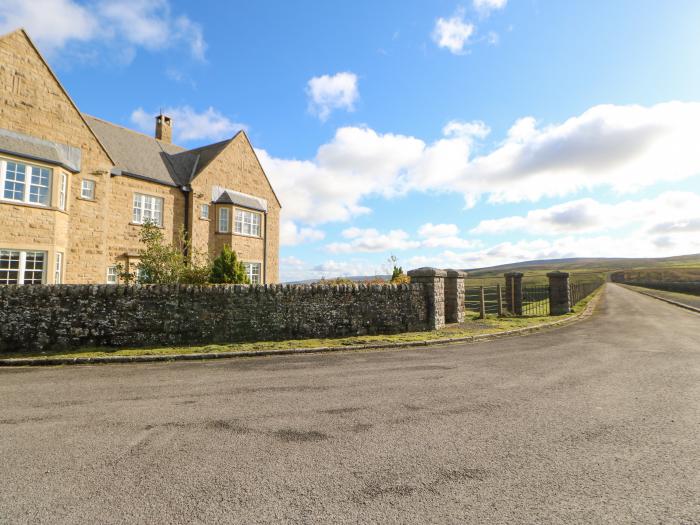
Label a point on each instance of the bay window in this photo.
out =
(26, 183)
(22, 267)
(247, 223)
(147, 209)
(224, 218)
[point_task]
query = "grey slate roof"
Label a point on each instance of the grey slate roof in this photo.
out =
(47, 151)
(138, 154)
(141, 156)
(225, 196)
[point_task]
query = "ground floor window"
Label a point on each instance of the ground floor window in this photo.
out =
(22, 267)
(58, 269)
(112, 275)
(252, 270)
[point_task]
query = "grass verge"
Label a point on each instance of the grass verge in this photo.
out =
(491, 325)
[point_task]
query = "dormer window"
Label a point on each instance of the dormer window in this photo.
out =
(25, 183)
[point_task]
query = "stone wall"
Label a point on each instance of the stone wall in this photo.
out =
(69, 316)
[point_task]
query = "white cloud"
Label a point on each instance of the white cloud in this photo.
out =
(438, 230)
(453, 33)
(620, 147)
(465, 130)
(667, 213)
(327, 93)
(486, 6)
(292, 235)
(371, 240)
(122, 23)
(190, 125)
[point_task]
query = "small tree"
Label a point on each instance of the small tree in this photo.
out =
(397, 275)
(164, 263)
(227, 269)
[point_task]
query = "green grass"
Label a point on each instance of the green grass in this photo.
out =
(472, 326)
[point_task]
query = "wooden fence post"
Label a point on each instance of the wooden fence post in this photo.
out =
(482, 303)
(500, 300)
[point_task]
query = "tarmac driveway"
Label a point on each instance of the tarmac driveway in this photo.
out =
(594, 422)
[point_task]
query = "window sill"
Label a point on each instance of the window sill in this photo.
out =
(31, 205)
(204, 219)
(142, 223)
(86, 199)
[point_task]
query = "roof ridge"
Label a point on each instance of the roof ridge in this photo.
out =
(130, 130)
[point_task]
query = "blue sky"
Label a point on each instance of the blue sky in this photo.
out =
(451, 134)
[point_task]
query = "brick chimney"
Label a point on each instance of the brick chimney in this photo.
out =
(164, 128)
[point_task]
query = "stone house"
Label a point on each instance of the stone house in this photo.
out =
(75, 189)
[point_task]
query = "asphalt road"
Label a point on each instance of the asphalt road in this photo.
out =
(596, 422)
(683, 298)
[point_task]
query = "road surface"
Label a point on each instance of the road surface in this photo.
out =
(595, 422)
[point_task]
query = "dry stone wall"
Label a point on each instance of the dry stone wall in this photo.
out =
(69, 316)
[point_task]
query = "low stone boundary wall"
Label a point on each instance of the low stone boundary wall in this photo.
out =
(690, 287)
(64, 316)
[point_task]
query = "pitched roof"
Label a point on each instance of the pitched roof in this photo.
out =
(141, 155)
(137, 154)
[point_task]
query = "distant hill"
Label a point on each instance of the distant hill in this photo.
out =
(598, 265)
(588, 264)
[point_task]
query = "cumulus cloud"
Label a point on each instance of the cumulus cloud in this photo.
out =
(485, 7)
(620, 147)
(453, 33)
(189, 124)
(125, 24)
(329, 92)
(371, 240)
(292, 235)
(667, 213)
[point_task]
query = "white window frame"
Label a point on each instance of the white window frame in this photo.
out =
(147, 208)
(58, 268)
(204, 211)
(224, 219)
(63, 192)
(28, 183)
(248, 223)
(112, 276)
(253, 276)
(89, 185)
(22, 268)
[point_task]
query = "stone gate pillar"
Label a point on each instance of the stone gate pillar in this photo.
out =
(433, 281)
(514, 292)
(454, 296)
(559, 293)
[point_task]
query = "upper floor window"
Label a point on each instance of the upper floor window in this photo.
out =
(224, 218)
(25, 183)
(87, 189)
(63, 192)
(20, 267)
(247, 223)
(204, 211)
(147, 209)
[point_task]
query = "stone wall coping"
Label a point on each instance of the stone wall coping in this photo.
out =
(558, 275)
(52, 290)
(456, 273)
(427, 272)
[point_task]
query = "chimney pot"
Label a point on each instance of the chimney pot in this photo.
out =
(164, 128)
